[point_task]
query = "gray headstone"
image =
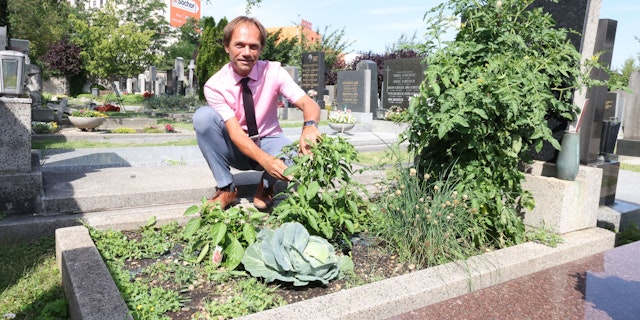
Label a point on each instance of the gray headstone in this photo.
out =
(152, 74)
(179, 68)
(130, 85)
(354, 90)
(632, 109)
(313, 74)
(142, 80)
(293, 72)
(373, 78)
(402, 79)
(3, 38)
(191, 67)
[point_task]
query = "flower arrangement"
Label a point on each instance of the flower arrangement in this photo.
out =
(44, 127)
(169, 128)
(343, 117)
(147, 94)
(395, 113)
(88, 113)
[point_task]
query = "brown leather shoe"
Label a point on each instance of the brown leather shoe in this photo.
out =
(224, 197)
(263, 198)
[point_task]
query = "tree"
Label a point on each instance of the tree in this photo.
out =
(277, 49)
(64, 59)
(211, 54)
(42, 22)
(4, 15)
(186, 46)
(147, 15)
(112, 47)
(622, 76)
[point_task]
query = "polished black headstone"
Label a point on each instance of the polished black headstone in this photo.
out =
(402, 79)
(313, 74)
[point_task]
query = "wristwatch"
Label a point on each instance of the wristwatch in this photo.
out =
(310, 123)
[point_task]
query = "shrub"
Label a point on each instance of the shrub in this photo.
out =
(124, 130)
(171, 103)
(486, 98)
(44, 127)
(216, 232)
(324, 197)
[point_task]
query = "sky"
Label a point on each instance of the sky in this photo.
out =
(376, 25)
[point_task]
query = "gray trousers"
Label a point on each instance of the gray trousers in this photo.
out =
(222, 155)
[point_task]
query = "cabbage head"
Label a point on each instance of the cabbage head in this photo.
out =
(290, 254)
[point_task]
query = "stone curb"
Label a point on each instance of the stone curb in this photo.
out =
(378, 300)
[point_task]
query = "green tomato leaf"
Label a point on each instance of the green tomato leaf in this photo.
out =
(312, 191)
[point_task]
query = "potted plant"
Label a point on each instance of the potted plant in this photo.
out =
(342, 121)
(85, 119)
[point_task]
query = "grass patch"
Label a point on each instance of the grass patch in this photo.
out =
(630, 167)
(382, 158)
(30, 282)
(48, 144)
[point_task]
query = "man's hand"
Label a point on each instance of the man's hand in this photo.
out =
(275, 167)
(309, 136)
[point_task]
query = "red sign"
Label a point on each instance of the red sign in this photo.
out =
(180, 10)
(306, 24)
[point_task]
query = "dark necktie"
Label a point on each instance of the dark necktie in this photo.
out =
(249, 109)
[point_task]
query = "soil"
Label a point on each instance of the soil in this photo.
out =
(371, 263)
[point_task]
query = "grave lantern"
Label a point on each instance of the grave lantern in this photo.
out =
(11, 69)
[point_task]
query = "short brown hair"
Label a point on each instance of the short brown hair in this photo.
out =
(228, 29)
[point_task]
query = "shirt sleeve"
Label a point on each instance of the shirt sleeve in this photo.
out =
(290, 90)
(219, 97)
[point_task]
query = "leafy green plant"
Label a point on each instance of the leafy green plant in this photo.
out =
(88, 113)
(152, 129)
(232, 229)
(486, 99)
(143, 300)
(429, 220)
(545, 236)
(171, 103)
(396, 114)
(290, 254)
(324, 196)
(123, 130)
(114, 244)
(251, 296)
(44, 127)
(629, 235)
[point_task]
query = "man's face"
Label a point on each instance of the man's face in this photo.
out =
(244, 48)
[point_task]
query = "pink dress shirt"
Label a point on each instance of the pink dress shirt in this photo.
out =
(269, 80)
